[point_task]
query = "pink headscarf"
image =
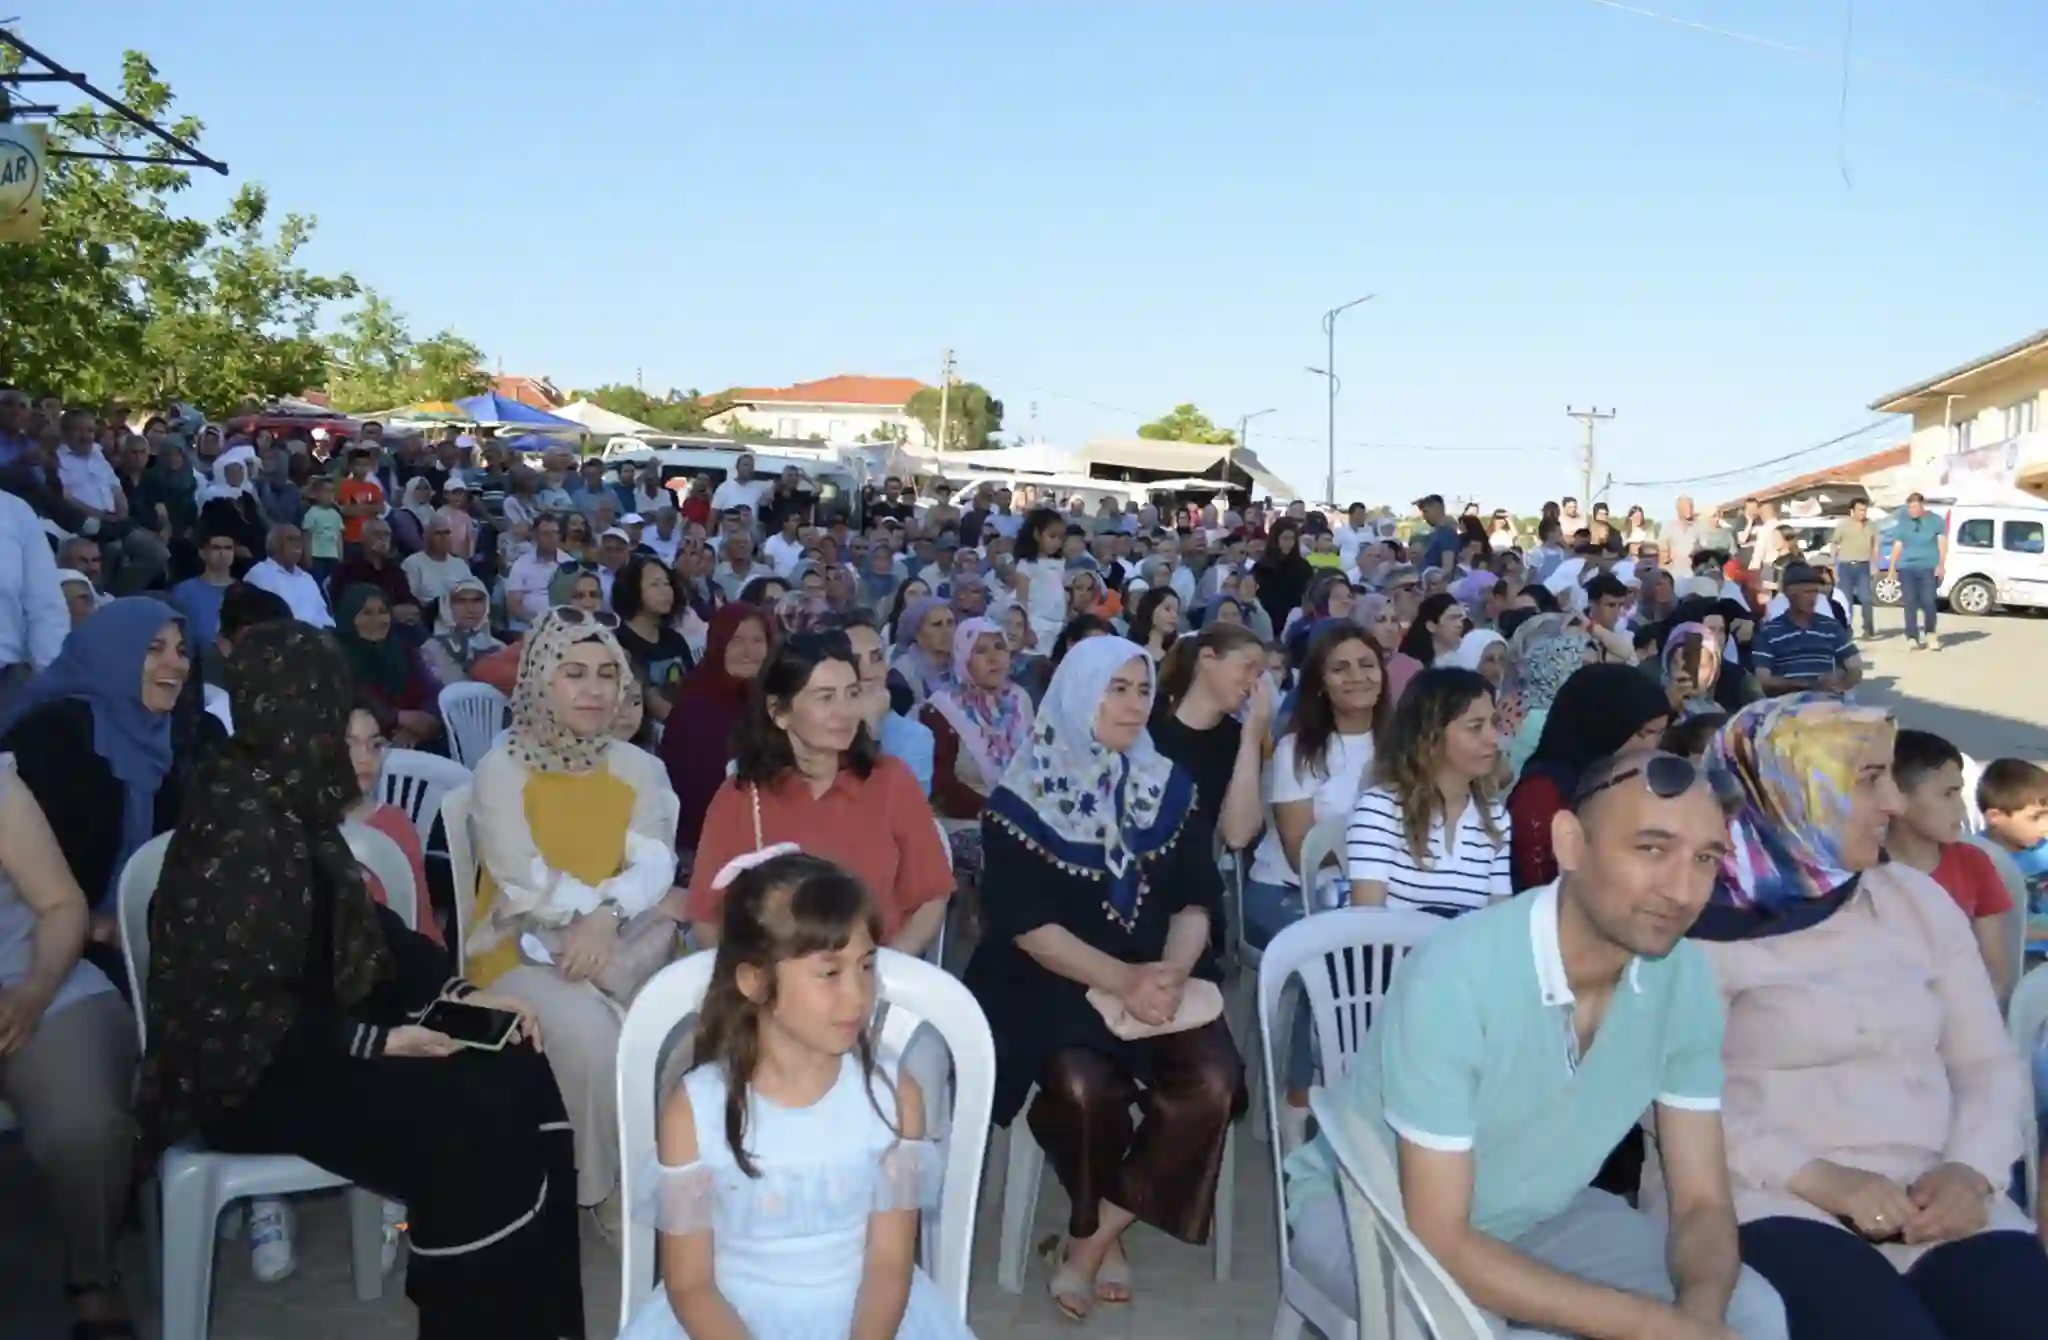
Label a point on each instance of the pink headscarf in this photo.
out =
(993, 724)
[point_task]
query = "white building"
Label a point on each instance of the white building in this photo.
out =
(840, 410)
(1980, 425)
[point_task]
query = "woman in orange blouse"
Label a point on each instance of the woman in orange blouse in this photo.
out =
(807, 771)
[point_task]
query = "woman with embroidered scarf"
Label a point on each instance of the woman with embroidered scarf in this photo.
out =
(280, 1007)
(1542, 655)
(1097, 887)
(1873, 1106)
(978, 723)
(575, 837)
(462, 633)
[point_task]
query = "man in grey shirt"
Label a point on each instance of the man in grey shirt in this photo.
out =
(1688, 535)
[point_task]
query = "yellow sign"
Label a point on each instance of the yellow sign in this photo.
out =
(23, 179)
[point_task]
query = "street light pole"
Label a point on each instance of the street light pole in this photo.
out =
(1243, 433)
(1330, 358)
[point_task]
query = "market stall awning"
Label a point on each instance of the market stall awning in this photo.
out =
(1184, 458)
(597, 419)
(494, 410)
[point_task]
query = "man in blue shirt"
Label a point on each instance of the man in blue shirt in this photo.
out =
(1440, 545)
(1803, 650)
(1919, 552)
(1520, 1043)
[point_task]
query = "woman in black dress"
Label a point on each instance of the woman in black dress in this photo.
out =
(1098, 879)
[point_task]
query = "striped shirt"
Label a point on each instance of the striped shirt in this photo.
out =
(1794, 651)
(1460, 877)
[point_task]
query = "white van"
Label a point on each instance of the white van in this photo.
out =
(1051, 490)
(839, 479)
(1997, 559)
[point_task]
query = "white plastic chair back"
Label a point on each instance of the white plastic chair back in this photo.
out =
(381, 857)
(915, 992)
(1372, 1203)
(1325, 837)
(2024, 1020)
(474, 714)
(461, 864)
(131, 899)
(1344, 962)
(415, 781)
(1973, 772)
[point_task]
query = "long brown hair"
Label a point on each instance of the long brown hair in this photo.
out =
(1407, 761)
(784, 908)
(1177, 671)
(1314, 723)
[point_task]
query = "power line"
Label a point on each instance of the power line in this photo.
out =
(1756, 465)
(1810, 53)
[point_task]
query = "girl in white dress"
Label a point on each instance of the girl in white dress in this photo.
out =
(792, 1163)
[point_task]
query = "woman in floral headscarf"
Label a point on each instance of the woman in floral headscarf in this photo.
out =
(576, 839)
(1873, 1106)
(978, 723)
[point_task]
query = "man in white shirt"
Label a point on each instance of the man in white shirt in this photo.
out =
(666, 535)
(741, 488)
(89, 483)
(738, 567)
(526, 585)
(783, 548)
(281, 575)
(433, 571)
(33, 618)
(614, 551)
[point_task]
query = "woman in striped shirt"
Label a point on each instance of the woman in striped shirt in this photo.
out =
(1429, 833)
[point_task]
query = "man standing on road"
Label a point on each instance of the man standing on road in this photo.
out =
(1855, 552)
(1919, 553)
(1516, 1048)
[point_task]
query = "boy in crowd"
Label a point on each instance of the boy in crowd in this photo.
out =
(323, 527)
(2013, 797)
(360, 499)
(1928, 836)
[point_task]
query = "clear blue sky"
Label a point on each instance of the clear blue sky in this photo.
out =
(1125, 205)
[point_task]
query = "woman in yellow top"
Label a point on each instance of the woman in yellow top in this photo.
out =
(576, 838)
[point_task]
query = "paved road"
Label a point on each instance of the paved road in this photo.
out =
(1986, 689)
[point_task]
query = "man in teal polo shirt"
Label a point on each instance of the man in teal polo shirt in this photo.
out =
(1515, 1050)
(1919, 552)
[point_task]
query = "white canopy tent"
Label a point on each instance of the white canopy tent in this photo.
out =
(604, 423)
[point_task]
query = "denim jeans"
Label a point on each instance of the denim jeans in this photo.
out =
(1853, 580)
(1268, 910)
(1916, 586)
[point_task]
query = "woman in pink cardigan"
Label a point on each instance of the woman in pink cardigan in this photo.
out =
(1873, 1107)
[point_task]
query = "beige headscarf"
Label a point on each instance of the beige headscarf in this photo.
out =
(539, 740)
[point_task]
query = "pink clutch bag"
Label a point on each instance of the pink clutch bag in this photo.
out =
(1200, 1002)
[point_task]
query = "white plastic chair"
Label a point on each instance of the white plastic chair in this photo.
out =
(2024, 1020)
(381, 857)
(197, 1184)
(1372, 1205)
(415, 781)
(1344, 960)
(474, 714)
(461, 864)
(1325, 837)
(1321, 839)
(916, 993)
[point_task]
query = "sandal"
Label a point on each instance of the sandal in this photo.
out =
(109, 1328)
(1115, 1274)
(1069, 1293)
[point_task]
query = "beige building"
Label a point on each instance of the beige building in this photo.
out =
(839, 410)
(1983, 422)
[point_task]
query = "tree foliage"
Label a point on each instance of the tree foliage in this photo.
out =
(1187, 424)
(377, 364)
(124, 298)
(973, 416)
(675, 412)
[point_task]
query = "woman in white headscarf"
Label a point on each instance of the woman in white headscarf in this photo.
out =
(462, 632)
(229, 505)
(413, 516)
(1099, 897)
(1484, 651)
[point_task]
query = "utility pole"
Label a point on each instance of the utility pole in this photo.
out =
(1244, 426)
(945, 396)
(1329, 371)
(1592, 418)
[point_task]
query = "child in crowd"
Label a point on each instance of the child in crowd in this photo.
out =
(360, 497)
(1323, 553)
(1927, 835)
(792, 1159)
(2013, 797)
(322, 525)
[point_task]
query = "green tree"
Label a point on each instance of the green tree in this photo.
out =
(973, 416)
(122, 298)
(1187, 424)
(375, 363)
(674, 412)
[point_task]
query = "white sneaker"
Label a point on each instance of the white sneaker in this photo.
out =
(394, 1229)
(270, 1240)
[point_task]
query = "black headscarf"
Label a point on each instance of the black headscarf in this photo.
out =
(1593, 716)
(259, 894)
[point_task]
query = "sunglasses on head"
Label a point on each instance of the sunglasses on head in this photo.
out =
(1667, 776)
(576, 617)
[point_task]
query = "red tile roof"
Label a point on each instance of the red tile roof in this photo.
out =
(538, 392)
(844, 389)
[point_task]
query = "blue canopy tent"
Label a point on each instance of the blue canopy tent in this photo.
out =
(495, 410)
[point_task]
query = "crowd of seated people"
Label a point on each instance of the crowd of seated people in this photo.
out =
(1706, 1043)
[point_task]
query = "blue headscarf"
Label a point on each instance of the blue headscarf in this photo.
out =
(101, 665)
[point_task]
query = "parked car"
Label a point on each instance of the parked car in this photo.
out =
(1997, 559)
